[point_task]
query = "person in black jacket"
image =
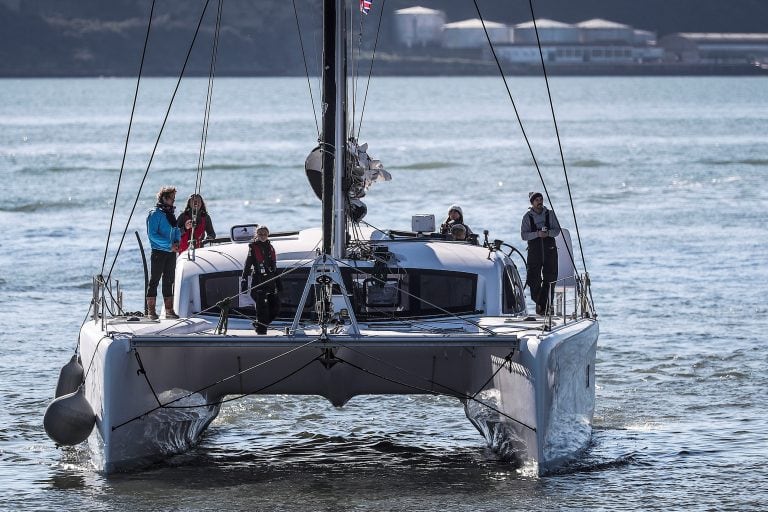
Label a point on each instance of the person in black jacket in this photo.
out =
(260, 264)
(455, 216)
(539, 228)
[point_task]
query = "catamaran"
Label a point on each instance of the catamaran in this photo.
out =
(362, 311)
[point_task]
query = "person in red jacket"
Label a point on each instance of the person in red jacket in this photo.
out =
(261, 265)
(194, 222)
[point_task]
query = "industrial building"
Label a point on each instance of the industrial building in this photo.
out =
(715, 48)
(419, 26)
(595, 41)
(470, 34)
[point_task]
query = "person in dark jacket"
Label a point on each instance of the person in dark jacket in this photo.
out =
(194, 222)
(260, 264)
(539, 228)
(455, 216)
(164, 239)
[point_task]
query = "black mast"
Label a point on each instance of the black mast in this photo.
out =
(333, 139)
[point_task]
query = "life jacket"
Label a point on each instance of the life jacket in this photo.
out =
(548, 242)
(263, 255)
(199, 232)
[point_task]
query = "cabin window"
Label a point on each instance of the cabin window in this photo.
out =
(440, 291)
(405, 294)
(216, 287)
(513, 298)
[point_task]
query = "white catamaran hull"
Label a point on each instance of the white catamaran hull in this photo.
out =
(539, 384)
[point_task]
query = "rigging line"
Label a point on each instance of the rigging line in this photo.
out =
(159, 135)
(519, 119)
(207, 110)
(243, 395)
(370, 70)
(557, 133)
(453, 393)
(355, 63)
(511, 99)
(241, 372)
(306, 68)
(467, 320)
(128, 135)
(418, 376)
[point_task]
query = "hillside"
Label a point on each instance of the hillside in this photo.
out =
(259, 37)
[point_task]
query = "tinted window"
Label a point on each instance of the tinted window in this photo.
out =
(513, 298)
(407, 293)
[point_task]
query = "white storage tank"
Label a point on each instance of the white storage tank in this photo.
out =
(470, 34)
(419, 26)
(550, 32)
(598, 30)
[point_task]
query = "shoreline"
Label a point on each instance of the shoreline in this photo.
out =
(456, 68)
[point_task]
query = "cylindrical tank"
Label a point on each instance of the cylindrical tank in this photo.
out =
(419, 26)
(550, 32)
(470, 34)
(598, 30)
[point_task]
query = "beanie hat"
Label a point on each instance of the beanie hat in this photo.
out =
(534, 195)
(457, 208)
(458, 227)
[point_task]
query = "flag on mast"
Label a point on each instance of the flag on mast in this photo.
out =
(365, 6)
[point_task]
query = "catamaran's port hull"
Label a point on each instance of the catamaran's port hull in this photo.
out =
(132, 375)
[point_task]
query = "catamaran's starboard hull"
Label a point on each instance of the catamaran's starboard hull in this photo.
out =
(545, 398)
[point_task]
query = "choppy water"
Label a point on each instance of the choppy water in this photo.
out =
(669, 180)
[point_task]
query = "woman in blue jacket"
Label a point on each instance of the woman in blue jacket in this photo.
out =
(164, 239)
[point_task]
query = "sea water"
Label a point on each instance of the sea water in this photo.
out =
(668, 179)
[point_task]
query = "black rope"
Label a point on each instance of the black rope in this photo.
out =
(207, 111)
(520, 121)
(306, 68)
(453, 393)
(142, 371)
(128, 135)
(159, 135)
(559, 144)
(187, 395)
(370, 69)
(557, 132)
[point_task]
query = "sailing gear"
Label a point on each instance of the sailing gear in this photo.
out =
(202, 225)
(542, 255)
(169, 312)
(151, 311)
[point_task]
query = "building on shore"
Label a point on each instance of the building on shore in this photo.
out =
(715, 48)
(471, 34)
(595, 41)
(419, 26)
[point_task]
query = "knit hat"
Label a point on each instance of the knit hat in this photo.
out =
(534, 195)
(458, 227)
(457, 208)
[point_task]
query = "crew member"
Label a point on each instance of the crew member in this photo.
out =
(539, 228)
(194, 222)
(455, 216)
(164, 239)
(260, 264)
